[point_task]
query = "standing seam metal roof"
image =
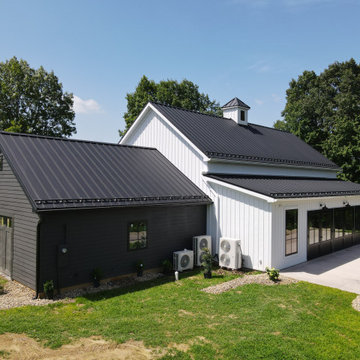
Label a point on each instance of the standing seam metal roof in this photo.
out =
(290, 187)
(222, 138)
(65, 173)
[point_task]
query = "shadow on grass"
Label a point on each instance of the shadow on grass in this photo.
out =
(138, 286)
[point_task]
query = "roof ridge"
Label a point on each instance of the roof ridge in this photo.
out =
(216, 116)
(183, 109)
(73, 140)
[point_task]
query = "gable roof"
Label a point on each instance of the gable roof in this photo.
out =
(64, 173)
(222, 138)
(235, 102)
(280, 187)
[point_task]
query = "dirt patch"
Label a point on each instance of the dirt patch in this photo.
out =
(356, 303)
(246, 279)
(185, 313)
(20, 346)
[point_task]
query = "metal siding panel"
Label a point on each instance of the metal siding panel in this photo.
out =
(25, 223)
(98, 238)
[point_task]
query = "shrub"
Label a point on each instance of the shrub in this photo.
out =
(167, 266)
(206, 261)
(1, 289)
(273, 274)
(49, 289)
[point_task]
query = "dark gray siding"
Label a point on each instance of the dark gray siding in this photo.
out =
(14, 203)
(98, 238)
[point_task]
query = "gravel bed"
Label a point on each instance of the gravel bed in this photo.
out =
(246, 279)
(17, 295)
(356, 303)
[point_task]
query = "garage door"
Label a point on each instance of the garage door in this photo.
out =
(6, 241)
(332, 229)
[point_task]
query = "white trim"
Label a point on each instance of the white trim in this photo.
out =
(242, 190)
(138, 120)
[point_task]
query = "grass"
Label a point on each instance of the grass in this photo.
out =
(297, 321)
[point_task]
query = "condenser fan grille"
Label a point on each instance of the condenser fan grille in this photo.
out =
(225, 246)
(203, 243)
(225, 260)
(184, 261)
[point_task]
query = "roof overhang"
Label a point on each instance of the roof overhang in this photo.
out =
(241, 189)
(149, 107)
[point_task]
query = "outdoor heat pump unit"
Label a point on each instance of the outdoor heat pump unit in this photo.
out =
(199, 244)
(183, 260)
(230, 253)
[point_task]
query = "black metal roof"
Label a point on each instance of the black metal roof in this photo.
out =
(290, 187)
(64, 173)
(235, 102)
(221, 138)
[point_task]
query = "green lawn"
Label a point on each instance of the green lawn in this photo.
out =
(297, 321)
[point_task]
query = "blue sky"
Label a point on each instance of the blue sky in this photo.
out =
(251, 49)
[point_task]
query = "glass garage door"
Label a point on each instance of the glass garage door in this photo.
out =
(332, 229)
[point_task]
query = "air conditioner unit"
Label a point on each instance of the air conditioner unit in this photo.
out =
(199, 244)
(183, 260)
(230, 253)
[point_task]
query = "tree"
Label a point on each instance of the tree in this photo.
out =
(32, 101)
(324, 111)
(170, 92)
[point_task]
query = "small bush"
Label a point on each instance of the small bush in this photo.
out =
(167, 266)
(49, 289)
(96, 274)
(273, 274)
(1, 289)
(206, 261)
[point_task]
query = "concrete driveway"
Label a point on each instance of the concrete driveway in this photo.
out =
(339, 270)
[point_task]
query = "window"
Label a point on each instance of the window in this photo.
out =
(291, 232)
(137, 235)
(5, 221)
(242, 115)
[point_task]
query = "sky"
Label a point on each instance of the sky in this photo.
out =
(251, 49)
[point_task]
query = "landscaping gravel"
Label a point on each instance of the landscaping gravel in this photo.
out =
(246, 279)
(356, 303)
(19, 295)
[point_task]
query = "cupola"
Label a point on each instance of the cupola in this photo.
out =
(237, 110)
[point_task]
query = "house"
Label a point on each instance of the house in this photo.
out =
(269, 189)
(70, 206)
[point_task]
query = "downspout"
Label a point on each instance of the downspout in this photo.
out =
(38, 257)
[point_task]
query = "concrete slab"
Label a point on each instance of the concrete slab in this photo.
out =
(339, 270)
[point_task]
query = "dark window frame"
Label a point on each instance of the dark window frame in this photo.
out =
(297, 233)
(129, 248)
(242, 115)
(7, 220)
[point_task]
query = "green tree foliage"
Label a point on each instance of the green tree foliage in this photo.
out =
(32, 101)
(170, 92)
(324, 111)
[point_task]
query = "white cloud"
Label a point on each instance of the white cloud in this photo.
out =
(276, 98)
(260, 67)
(86, 106)
(259, 101)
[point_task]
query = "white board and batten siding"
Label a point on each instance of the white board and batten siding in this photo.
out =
(15, 204)
(153, 131)
(279, 260)
(247, 218)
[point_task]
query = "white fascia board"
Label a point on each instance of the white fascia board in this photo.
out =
(149, 107)
(242, 190)
(228, 161)
(318, 198)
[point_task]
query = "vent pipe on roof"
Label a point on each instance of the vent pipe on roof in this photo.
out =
(237, 110)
